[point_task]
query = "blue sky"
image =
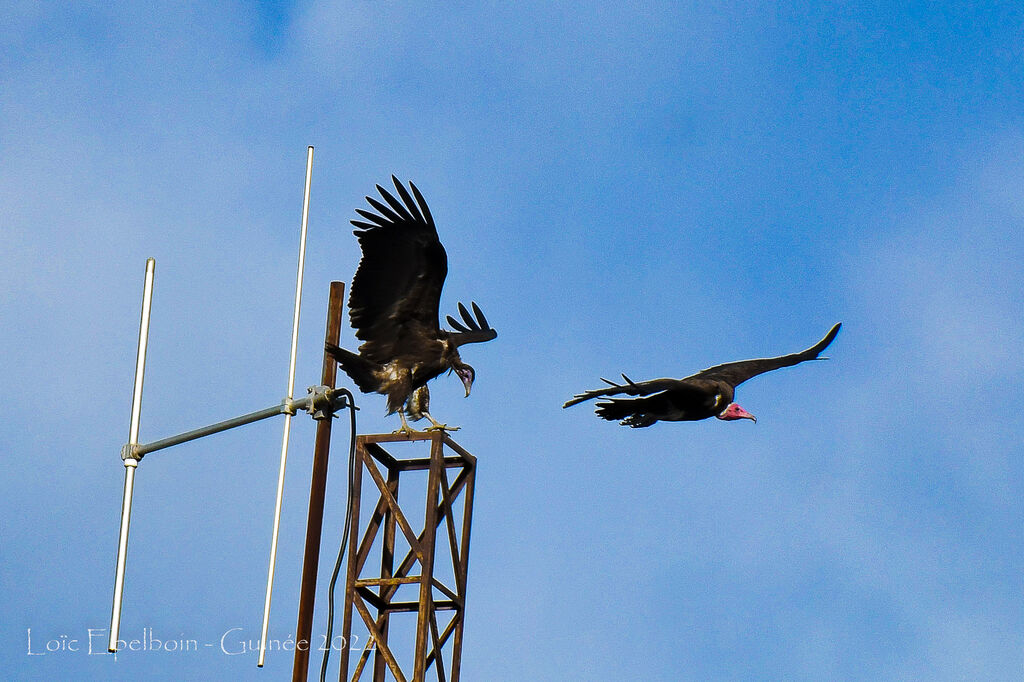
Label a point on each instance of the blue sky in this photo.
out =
(649, 189)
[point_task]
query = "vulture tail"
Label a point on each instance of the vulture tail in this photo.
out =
(361, 370)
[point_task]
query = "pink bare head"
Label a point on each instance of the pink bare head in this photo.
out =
(734, 411)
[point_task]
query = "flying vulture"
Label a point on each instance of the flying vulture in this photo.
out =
(705, 394)
(394, 307)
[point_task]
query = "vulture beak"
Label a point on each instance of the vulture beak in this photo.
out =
(467, 375)
(734, 411)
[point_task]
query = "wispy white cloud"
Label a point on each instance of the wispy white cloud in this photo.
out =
(622, 189)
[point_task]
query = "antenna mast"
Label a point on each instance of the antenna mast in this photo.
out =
(287, 417)
(321, 402)
(130, 463)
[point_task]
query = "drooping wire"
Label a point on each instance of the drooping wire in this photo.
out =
(351, 404)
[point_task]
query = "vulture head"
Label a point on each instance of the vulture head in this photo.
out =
(734, 411)
(465, 373)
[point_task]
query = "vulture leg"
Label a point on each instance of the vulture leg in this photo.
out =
(404, 428)
(437, 426)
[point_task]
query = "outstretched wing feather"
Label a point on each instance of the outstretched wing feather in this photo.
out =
(455, 324)
(629, 388)
(480, 316)
(427, 218)
(409, 205)
(735, 373)
(470, 322)
(470, 330)
(395, 204)
(389, 215)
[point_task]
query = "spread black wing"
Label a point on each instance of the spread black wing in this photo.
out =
(629, 387)
(735, 373)
(470, 330)
(397, 287)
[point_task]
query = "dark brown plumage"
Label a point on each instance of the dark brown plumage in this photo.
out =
(705, 394)
(394, 307)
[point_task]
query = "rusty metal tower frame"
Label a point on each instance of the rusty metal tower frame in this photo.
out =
(368, 590)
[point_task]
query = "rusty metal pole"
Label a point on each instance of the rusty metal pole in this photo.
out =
(463, 566)
(352, 570)
(387, 571)
(426, 581)
(317, 492)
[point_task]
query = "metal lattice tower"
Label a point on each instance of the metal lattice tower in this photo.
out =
(417, 584)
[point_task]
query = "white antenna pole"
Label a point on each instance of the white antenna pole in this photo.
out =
(130, 462)
(287, 416)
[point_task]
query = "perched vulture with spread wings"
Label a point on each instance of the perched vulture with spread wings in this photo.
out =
(705, 394)
(394, 307)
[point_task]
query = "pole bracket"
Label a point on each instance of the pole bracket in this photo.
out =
(130, 451)
(324, 401)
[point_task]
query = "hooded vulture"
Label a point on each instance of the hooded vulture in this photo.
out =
(705, 394)
(394, 307)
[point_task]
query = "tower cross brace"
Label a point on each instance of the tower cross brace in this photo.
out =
(373, 594)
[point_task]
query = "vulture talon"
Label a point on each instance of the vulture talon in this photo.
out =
(404, 429)
(436, 425)
(442, 427)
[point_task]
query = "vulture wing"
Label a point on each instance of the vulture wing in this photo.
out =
(470, 330)
(397, 287)
(685, 401)
(630, 387)
(735, 373)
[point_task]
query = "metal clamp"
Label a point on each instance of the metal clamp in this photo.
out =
(130, 451)
(318, 403)
(324, 401)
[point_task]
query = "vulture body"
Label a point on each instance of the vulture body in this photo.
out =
(708, 393)
(394, 306)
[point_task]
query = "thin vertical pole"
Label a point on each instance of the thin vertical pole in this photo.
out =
(287, 417)
(130, 463)
(317, 493)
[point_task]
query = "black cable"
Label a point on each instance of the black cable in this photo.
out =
(351, 404)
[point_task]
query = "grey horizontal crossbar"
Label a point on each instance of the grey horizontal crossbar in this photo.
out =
(315, 403)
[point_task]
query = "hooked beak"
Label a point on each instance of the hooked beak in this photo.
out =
(466, 375)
